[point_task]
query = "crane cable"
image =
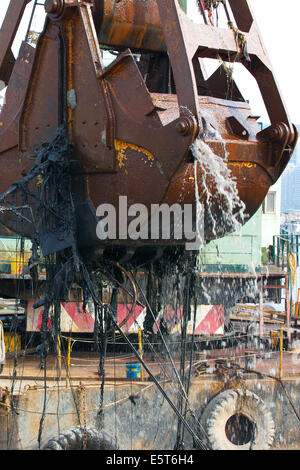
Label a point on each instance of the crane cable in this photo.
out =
(208, 7)
(240, 37)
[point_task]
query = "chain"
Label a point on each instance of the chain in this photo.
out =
(82, 412)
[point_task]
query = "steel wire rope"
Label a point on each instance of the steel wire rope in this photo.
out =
(23, 362)
(190, 410)
(72, 387)
(187, 425)
(262, 374)
(14, 325)
(205, 340)
(164, 342)
(162, 390)
(187, 407)
(184, 320)
(134, 291)
(202, 10)
(179, 415)
(191, 358)
(70, 413)
(122, 323)
(115, 389)
(206, 359)
(162, 366)
(45, 337)
(42, 420)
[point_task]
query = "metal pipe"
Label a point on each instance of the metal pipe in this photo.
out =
(261, 310)
(281, 353)
(141, 350)
(59, 355)
(68, 362)
(288, 306)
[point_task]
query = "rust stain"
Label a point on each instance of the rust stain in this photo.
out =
(121, 147)
(243, 164)
(70, 71)
(39, 181)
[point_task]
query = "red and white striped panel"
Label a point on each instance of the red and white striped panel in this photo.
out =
(209, 319)
(73, 319)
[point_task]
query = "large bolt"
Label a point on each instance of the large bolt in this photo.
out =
(183, 126)
(52, 6)
(276, 132)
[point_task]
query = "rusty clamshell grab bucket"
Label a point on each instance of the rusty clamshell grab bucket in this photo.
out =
(132, 124)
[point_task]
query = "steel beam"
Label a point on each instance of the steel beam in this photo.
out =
(7, 35)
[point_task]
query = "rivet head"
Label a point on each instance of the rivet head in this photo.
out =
(276, 133)
(184, 127)
(51, 6)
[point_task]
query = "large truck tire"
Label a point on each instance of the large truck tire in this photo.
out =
(79, 439)
(238, 420)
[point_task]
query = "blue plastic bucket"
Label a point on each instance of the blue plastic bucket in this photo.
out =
(133, 370)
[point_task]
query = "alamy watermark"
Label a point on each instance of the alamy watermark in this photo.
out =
(161, 222)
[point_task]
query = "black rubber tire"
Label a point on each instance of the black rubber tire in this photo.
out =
(229, 403)
(73, 439)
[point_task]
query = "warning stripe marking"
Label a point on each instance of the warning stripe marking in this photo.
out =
(209, 319)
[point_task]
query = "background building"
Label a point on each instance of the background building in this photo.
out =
(248, 249)
(290, 180)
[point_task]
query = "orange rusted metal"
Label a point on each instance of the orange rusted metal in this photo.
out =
(132, 123)
(130, 24)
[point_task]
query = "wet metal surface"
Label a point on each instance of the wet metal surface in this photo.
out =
(84, 366)
(120, 141)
